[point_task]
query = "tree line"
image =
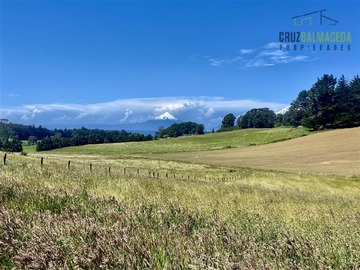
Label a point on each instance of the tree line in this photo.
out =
(328, 104)
(184, 128)
(255, 118)
(77, 137)
(12, 135)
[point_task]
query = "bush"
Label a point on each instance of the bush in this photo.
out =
(12, 146)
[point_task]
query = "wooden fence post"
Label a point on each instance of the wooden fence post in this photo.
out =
(68, 166)
(90, 167)
(109, 170)
(42, 161)
(4, 159)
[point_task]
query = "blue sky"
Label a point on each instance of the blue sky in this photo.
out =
(117, 62)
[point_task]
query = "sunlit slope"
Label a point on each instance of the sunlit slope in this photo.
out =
(211, 141)
(331, 152)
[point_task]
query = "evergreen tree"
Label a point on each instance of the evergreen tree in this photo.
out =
(328, 104)
(347, 103)
(322, 100)
(299, 109)
(228, 121)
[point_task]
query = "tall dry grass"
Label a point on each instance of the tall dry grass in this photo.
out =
(211, 218)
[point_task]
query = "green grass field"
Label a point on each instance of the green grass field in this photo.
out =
(211, 141)
(164, 214)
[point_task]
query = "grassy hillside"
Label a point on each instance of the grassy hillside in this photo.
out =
(331, 152)
(220, 218)
(151, 213)
(212, 141)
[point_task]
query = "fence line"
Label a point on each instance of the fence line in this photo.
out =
(136, 172)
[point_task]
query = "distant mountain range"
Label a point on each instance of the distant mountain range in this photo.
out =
(147, 127)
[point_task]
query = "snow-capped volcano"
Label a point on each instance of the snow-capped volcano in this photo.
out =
(166, 116)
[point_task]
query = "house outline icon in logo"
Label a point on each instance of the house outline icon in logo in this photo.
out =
(309, 17)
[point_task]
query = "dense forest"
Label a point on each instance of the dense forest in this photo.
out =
(11, 136)
(328, 104)
(76, 137)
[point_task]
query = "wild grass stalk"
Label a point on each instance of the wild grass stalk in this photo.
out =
(53, 218)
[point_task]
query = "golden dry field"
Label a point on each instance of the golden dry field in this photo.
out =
(332, 152)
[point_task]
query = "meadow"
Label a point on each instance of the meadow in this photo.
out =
(210, 141)
(166, 214)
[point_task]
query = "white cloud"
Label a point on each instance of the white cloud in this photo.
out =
(246, 51)
(81, 115)
(206, 110)
(271, 53)
(127, 115)
(62, 119)
(224, 61)
(272, 45)
(215, 62)
(24, 117)
(266, 56)
(283, 110)
(256, 63)
(35, 112)
(12, 95)
(171, 107)
(209, 112)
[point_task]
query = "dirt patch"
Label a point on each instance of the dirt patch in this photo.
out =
(332, 152)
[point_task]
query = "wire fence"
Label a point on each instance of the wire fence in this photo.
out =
(116, 170)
